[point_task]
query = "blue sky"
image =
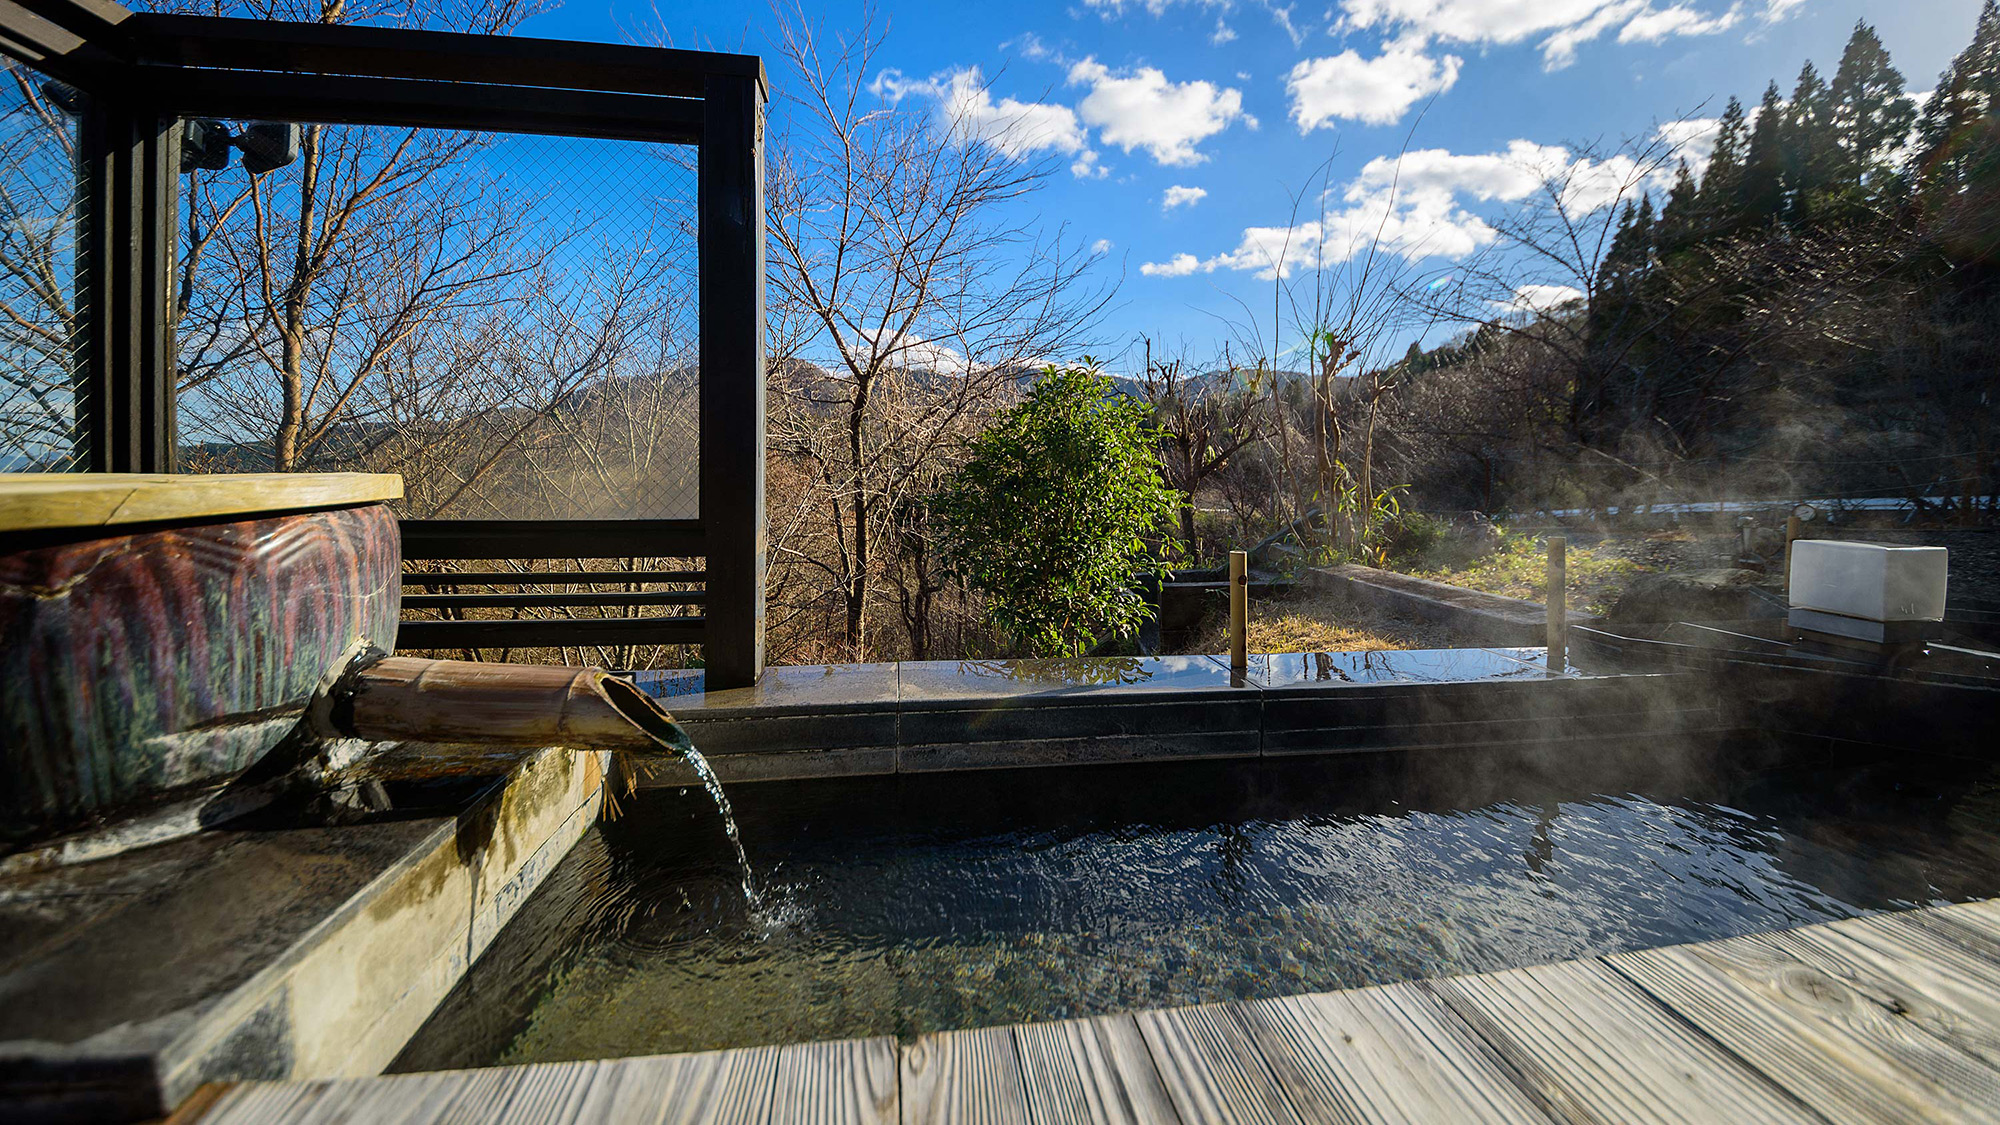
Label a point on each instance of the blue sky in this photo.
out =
(1180, 126)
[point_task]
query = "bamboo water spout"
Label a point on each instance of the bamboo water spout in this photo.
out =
(403, 698)
(458, 702)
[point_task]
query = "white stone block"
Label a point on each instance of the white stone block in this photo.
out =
(1870, 581)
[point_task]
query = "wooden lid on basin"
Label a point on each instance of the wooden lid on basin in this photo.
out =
(47, 501)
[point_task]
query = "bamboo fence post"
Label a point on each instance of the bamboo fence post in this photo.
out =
(1239, 610)
(1558, 603)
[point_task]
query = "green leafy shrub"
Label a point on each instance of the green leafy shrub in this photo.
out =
(1410, 537)
(1053, 511)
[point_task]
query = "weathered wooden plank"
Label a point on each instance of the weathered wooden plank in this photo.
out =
(459, 1096)
(1092, 1072)
(481, 1096)
(963, 1078)
(1590, 1047)
(1212, 1068)
(430, 1099)
(726, 1088)
(1950, 992)
(846, 1082)
(643, 1091)
(1391, 1054)
(254, 1103)
(45, 501)
(1818, 1036)
(1973, 926)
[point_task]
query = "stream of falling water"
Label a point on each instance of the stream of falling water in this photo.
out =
(713, 784)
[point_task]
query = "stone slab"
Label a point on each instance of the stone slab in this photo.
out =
(300, 953)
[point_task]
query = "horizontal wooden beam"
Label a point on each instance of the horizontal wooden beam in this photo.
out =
(554, 539)
(57, 51)
(551, 634)
(105, 25)
(409, 103)
(434, 578)
(553, 601)
(386, 52)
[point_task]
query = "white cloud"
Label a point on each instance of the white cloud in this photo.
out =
(1775, 10)
(1539, 298)
(1283, 18)
(1589, 185)
(1417, 207)
(1180, 265)
(1375, 91)
(1559, 49)
(1691, 139)
(1507, 175)
(1113, 8)
(1561, 25)
(1142, 109)
(966, 108)
(1178, 196)
(1651, 26)
(1101, 246)
(1030, 46)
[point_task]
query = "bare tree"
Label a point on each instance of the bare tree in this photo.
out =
(893, 261)
(1546, 283)
(1205, 418)
(297, 285)
(1337, 292)
(40, 424)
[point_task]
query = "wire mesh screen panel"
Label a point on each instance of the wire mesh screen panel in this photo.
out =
(43, 400)
(508, 321)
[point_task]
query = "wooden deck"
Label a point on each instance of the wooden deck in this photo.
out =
(1890, 1018)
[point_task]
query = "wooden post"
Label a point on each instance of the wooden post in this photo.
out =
(1558, 603)
(1794, 527)
(732, 378)
(129, 207)
(1239, 610)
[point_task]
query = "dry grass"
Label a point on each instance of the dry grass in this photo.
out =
(1317, 621)
(1518, 568)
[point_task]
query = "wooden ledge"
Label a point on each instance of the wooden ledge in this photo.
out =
(49, 501)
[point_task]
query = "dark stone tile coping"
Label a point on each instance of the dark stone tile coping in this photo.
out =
(816, 688)
(860, 719)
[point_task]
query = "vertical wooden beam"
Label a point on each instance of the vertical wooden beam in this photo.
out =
(1239, 611)
(130, 169)
(1558, 603)
(732, 377)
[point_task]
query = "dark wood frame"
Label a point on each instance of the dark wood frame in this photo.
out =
(143, 73)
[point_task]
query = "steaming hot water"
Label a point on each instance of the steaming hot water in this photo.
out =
(905, 905)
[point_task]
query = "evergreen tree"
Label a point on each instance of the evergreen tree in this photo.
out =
(1871, 117)
(1679, 225)
(1761, 190)
(1959, 118)
(1631, 244)
(1719, 202)
(1810, 152)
